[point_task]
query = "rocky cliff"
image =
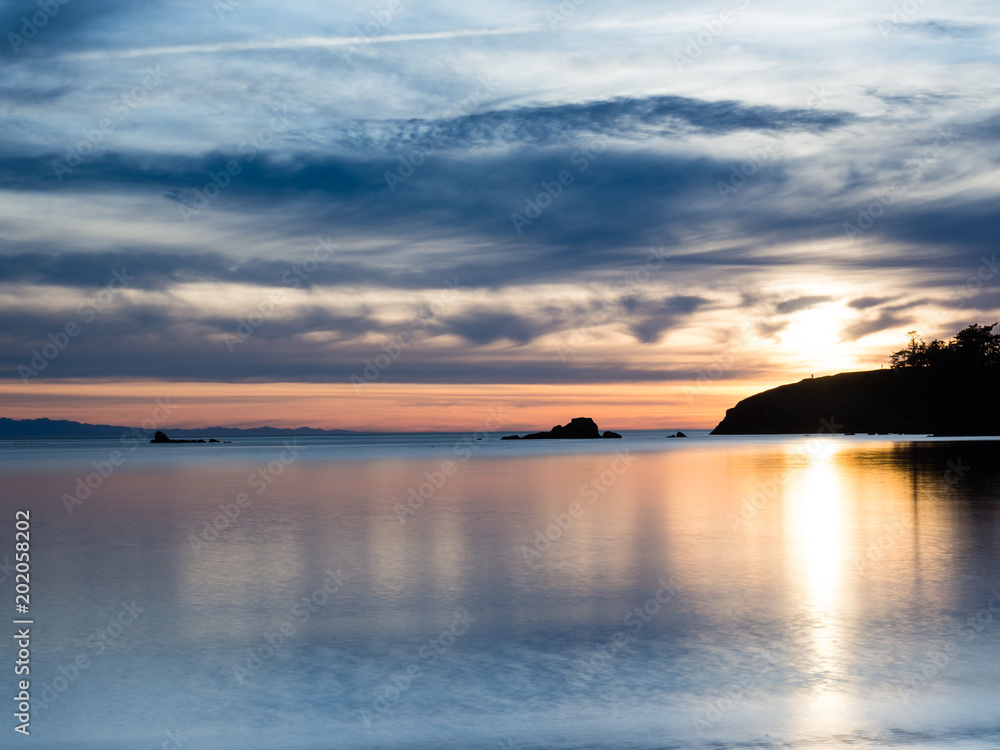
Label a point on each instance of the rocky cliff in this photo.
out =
(908, 400)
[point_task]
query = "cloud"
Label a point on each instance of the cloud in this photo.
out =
(863, 303)
(657, 318)
(600, 99)
(357, 42)
(632, 118)
(485, 326)
(66, 25)
(863, 328)
(941, 28)
(153, 270)
(800, 303)
(144, 341)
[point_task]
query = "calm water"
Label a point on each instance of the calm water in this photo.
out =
(637, 593)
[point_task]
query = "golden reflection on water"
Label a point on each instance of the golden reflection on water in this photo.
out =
(815, 510)
(855, 554)
(833, 544)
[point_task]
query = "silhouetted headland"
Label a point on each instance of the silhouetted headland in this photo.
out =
(578, 428)
(942, 388)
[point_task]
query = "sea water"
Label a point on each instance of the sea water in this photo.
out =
(439, 591)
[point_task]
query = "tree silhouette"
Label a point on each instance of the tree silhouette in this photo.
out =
(973, 349)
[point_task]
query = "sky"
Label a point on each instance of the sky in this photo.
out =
(390, 215)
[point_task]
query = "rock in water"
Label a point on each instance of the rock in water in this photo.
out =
(159, 437)
(578, 428)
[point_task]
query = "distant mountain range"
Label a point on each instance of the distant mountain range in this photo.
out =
(62, 428)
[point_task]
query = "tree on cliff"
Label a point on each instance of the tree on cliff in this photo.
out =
(973, 349)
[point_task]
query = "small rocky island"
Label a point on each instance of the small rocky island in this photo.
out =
(160, 437)
(579, 428)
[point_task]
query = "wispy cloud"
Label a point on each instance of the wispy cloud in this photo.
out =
(299, 43)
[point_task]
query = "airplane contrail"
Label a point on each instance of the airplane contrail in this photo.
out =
(291, 44)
